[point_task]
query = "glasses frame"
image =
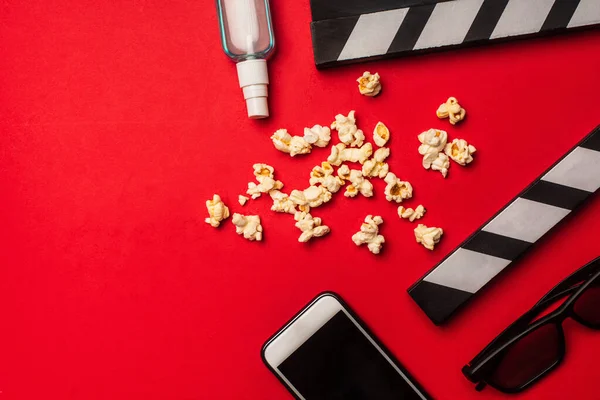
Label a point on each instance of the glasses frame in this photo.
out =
(480, 369)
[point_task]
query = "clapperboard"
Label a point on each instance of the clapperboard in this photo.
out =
(510, 233)
(346, 31)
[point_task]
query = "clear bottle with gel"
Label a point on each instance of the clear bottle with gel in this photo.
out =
(247, 38)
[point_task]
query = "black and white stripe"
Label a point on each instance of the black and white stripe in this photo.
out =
(384, 28)
(503, 239)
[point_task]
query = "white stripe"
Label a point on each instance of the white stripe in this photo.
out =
(467, 270)
(521, 17)
(580, 169)
(373, 34)
(526, 220)
(449, 23)
(587, 13)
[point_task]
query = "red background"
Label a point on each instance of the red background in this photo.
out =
(118, 121)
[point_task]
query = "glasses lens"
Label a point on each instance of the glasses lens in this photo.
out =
(528, 358)
(587, 306)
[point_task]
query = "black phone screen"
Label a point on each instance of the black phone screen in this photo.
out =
(340, 362)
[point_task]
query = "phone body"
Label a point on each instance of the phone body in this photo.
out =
(326, 352)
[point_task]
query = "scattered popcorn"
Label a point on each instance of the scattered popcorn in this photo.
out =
(348, 133)
(358, 185)
(339, 154)
(460, 151)
(242, 200)
(410, 214)
(282, 202)
(451, 109)
(397, 190)
(261, 170)
(217, 211)
(335, 158)
(313, 196)
(433, 140)
(368, 84)
(248, 225)
(344, 172)
(381, 134)
(429, 237)
(376, 167)
(358, 155)
(369, 234)
(299, 146)
(287, 143)
(266, 182)
(310, 227)
(441, 164)
(317, 135)
(324, 175)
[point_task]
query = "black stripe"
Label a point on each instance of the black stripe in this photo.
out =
(486, 20)
(412, 26)
(437, 301)
(329, 38)
(331, 9)
(497, 245)
(559, 16)
(556, 195)
(593, 141)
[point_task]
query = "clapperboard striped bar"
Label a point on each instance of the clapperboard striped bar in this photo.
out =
(499, 242)
(345, 31)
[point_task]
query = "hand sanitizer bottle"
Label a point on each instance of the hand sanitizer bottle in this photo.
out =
(247, 38)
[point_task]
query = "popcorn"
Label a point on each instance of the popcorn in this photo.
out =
(248, 225)
(460, 151)
(348, 133)
(344, 172)
(369, 234)
(397, 190)
(310, 227)
(451, 109)
(368, 84)
(217, 211)
(265, 176)
(287, 143)
(299, 146)
(324, 176)
(339, 154)
(376, 167)
(335, 158)
(433, 140)
(441, 164)
(282, 202)
(358, 155)
(313, 196)
(410, 214)
(381, 134)
(429, 237)
(242, 200)
(317, 135)
(261, 170)
(358, 185)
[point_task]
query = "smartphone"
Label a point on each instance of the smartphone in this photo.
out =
(327, 352)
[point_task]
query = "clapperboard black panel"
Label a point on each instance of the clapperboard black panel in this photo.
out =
(509, 234)
(346, 31)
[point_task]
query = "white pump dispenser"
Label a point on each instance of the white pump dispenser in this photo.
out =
(247, 38)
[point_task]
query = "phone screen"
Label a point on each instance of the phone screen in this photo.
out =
(340, 362)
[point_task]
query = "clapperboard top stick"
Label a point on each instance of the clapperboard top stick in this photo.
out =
(510, 233)
(347, 31)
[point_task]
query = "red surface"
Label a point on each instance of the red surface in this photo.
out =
(119, 119)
